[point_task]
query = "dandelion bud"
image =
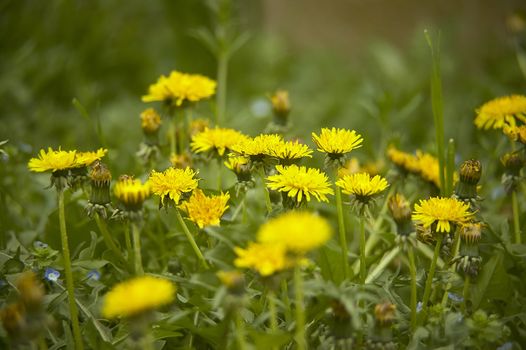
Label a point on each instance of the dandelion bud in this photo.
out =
(471, 233)
(31, 291)
(470, 171)
(513, 162)
(131, 192)
(385, 313)
(197, 126)
(399, 208)
(233, 280)
(181, 161)
(13, 320)
(150, 121)
(280, 106)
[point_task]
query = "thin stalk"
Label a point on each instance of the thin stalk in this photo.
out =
(172, 135)
(240, 331)
(450, 167)
(271, 297)
(465, 292)
(137, 256)
(341, 231)
(107, 237)
(128, 241)
(300, 310)
(516, 214)
(191, 239)
(219, 175)
(266, 193)
(377, 271)
(222, 72)
(363, 268)
(429, 280)
(69, 273)
(286, 300)
(412, 272)
(438, 109)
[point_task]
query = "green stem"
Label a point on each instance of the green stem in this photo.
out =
(300, 309)
(172, 135)
(450, 167)
(286, 300)
(191, 239)
(240, 331)
(342, 233)
(219, 175)
(222, 71)
(429, 280)
(69, 273)
(101, 224)
(139, 270)
(266, 193)
(271, 297)
(128, 241)
(516, 214)
(363, 268)
(465, 292)
(386, 260)
(412, 272)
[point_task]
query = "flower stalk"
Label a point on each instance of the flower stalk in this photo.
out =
(191, 239)
(300, 310)
(363, 269)
(137, 256)
(430, 275)
(341, 231)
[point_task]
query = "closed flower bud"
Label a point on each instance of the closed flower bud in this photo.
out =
(181, 161)
(399, 208)
(31, 291)
(281, 105)
(150, 121)
(233, 280)
(385, 313)
(471, 233)
(513, 162)
(470, 171)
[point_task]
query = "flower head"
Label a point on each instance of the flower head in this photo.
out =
(150, 121)
(131, 192)
(258, 147)
(203, 210)
(84, 159)
(181, 160)
(216, 139)
(337, 142)
(299, 231)
(173, 183)
(266, 259)
(54, 161)
(290, 151)
(300, 183)
(280, 103)
(516, 133)
(403, 160)
(179, 87)
(443, 212)
(501, 111)
(362, 186)
(137, 295)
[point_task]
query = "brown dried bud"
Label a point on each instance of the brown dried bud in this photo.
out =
(513, 162)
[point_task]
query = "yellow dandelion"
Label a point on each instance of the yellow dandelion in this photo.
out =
(337, 142)
(173, 183)
(52, 161)
(198, 125)
(180, 87)
(290, 150)
(137, 295)
(280, 103)
(216, 139)
(501, 111)
(181, 160)
(150, 121)
(131, 192)
(87, 158)
(406, 161)
(362, 186)
(258, 147)
(428, 168)
(265, 259)
(300, 183)
(299, 231)
(236, 163)
(443, 212)
(516, 133)
(203, 210)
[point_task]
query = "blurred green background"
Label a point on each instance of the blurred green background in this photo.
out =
(362, 65)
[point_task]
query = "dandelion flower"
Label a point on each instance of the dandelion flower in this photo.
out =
(362, 186)
(54, 161)
(403, 160)
(280, 103)
(180, 87)
(137, 295)
(84, 159)
(337, 142)
(217, 139)
(501, 111)
(131, 192)
(299, 231)
(290, 151)
(258, 147)
(428, 168)
(265, 259)
(150, 121)
(444, 212)
(516, 133)
(300, 183)
(203, 210)
(173, 183)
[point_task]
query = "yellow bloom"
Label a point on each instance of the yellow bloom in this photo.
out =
(266, 259)
(198, 125)
(441, 211)
(137, 295)
(280, 103)
(236, 163)
(428, 168)
(362, 186)
(406, 161)
(52, 161)
(205, 211)
(173, 183)
(298, 231)
(180, 87)
(337, 142)
(290, 150)
(300, 183)
(181, 160)
(150, 121)
(516, 133)
(257, 147)
(87, 158)
(501, 111)
(131, 192)
(217, 139)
